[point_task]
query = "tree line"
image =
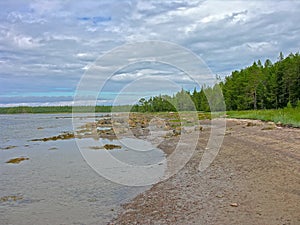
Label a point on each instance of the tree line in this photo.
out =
(63, 109)
(264, 86)
(259, 86)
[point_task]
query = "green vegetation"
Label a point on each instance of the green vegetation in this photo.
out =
(272, 88)
(181, 101)
(285, 116)
(38, 109)
(268, 86)
(62, 109)
(259, 86)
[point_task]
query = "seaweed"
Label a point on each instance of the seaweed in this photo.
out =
(17, 160)
(63, 136)
(106, 147)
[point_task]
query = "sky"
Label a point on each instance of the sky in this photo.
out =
(46, 47)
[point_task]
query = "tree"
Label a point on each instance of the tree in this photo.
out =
(255, 87)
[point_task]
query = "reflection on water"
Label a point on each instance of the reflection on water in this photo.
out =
(55, 186)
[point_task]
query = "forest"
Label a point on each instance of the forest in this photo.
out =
(260, 86)
(62, 109)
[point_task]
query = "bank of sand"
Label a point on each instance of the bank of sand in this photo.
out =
(255, 179)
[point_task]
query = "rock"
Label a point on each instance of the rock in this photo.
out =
(251, 124)
(62, 136)
(95, 147)
(168, 135)
(167, 127)
(219, 195)
(88, 125)
(107, 147)
(131, 123)
(17, 160)
(104, 122)
(118, 124)
(177, 131)
(8, 147)
(198, 128)
(268, 128)
(228, 133)
(144, 123)
(119, 130)
(92, 200)
(234, 204)
(111, 146)
(10, 198)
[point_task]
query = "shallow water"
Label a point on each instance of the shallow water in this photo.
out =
(56, 185)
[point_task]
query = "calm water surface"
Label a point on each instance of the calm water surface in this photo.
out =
(55, 186)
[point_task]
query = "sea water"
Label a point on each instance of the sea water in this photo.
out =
(56, 185)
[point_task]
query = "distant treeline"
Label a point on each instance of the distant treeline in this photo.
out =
(62, 109)
(181, 101)
(259, 86)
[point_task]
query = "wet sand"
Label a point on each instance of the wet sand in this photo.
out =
(255, 179)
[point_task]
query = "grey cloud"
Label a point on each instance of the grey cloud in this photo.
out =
(54, 42)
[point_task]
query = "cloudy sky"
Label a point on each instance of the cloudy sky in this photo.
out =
(47, 46)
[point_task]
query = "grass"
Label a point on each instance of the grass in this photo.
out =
(286, 116)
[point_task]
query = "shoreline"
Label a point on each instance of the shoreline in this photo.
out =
(254, 179)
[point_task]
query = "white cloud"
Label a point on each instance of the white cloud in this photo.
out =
(19, 40)
(83, 55)
(61, 37)
(45, 7)
(51, 39)
(86, 67)
(23, 41)
(260, 46)
(16, 17)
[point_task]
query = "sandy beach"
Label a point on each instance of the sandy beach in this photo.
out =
(255, 179)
